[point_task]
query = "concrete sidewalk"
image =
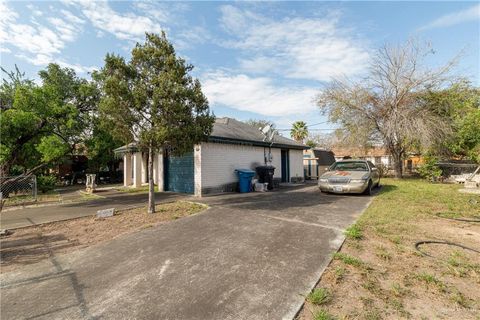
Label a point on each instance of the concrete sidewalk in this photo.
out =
(111, 199)
(247, 257)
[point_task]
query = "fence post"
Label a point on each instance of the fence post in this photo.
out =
(35, 187)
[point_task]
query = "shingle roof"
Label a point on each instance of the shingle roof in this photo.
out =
(325, 157)
(231, 131)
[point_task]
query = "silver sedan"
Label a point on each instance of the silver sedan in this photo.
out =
(350, 176)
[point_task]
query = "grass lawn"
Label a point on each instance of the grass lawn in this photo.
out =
(32, 244)
(51, 196)
(379, 274)
(142, 189)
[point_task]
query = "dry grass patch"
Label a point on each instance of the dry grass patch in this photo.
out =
(49, 197)
(32, 244)
(378, 273)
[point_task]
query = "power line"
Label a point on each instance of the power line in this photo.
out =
(315, 129)
(316, 124)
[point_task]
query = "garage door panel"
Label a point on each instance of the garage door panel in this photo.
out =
(180, 173)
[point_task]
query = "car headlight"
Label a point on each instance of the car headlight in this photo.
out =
(323, 180)
(357, 181)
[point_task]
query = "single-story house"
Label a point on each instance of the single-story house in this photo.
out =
(315, 161)
(210, 167)
(379, 156)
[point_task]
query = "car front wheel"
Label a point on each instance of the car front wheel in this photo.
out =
(368, 191)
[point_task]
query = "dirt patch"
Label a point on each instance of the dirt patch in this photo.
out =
(32, 244)
(393, 280)
(381, 275)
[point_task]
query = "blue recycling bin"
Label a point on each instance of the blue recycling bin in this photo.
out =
(245, 179)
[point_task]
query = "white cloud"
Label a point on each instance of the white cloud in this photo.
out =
(76, 67)
(153, 10)
(258, 95)
(35, 40)
(235, 20)
(71, 18)
(127, 26)
(8, 17)
(301, 48)
(35, 10)
(467, 15)
(67, 31)
(37, 60)
(42, 60)
(37, 43)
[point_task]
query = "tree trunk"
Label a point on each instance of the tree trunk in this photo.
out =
(398, 164)
(151, 187)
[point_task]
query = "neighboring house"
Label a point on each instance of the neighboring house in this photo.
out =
(377, 155)
(315, 161)
(210, 167)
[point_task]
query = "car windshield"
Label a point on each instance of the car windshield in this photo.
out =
(349, 166)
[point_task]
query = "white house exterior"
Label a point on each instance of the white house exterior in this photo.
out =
(210, 167)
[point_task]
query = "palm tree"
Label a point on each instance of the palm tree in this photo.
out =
(299, 131)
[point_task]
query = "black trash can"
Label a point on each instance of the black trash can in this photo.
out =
(265, 175)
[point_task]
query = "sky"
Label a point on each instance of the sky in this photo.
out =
(255, 60)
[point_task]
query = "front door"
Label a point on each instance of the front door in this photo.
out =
(285, 166)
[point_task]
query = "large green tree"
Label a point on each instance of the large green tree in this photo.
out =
(153, 100)
(460, 104)
(40, 124)
(100, 146)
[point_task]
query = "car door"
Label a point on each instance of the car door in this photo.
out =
(374, 172)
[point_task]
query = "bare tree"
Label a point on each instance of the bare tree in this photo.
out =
(384, 105)
(322, 140)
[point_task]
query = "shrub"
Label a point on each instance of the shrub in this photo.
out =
(430, 169)
(46, 183)
(382, 170)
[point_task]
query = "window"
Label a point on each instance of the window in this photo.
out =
(350, 166)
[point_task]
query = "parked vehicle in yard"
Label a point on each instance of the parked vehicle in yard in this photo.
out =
(350, 176)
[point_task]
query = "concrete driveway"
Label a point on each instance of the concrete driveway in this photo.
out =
(250, 256)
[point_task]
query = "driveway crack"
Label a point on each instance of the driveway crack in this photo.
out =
(302, 222)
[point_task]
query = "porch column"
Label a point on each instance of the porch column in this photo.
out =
(155, 169)
(159, 167)
(144, 167)
(197, 165)
(127, 169)
(137, 169)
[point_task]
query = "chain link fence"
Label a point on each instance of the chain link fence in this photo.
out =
(19, 189)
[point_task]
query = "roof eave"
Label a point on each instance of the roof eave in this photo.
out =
(255, 143)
